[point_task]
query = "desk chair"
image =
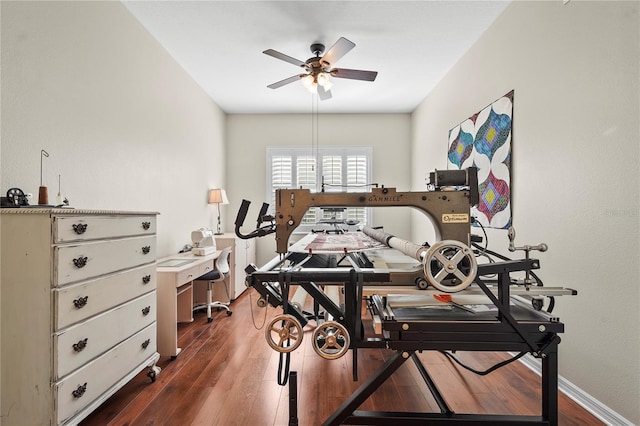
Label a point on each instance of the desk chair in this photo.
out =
(219, 274)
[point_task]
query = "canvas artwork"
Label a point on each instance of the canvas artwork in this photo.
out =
(484, 141)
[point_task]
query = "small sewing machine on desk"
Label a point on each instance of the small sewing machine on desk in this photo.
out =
(204, 242)
(415, 304)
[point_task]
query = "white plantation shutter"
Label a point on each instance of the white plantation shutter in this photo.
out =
(332, 173)
(340, 169)
(281, 175)
(357, 167)
(332, 180)
(357, 177)
(306, 174)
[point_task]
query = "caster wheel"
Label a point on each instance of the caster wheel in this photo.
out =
(229, 313)
(422, 284)
(209, 319)
(152, 375)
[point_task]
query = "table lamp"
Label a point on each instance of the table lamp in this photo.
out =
(218, 196)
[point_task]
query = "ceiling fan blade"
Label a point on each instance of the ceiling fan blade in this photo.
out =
(337, 51)
(323, 94)
(354, 74)
(284, 57)
(284, 82)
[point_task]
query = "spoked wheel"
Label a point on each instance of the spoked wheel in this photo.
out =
(450, 266)
(331, 340)
(284, 333)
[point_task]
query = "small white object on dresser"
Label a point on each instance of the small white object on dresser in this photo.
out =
(78, 310)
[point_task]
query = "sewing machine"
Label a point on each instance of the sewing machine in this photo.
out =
(417, 297)
(203, 241)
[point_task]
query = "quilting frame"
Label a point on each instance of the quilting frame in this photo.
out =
(484, 141)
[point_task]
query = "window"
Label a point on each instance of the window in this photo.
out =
(342, 169)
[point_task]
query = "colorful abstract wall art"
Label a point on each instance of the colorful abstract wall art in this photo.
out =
(484, 141)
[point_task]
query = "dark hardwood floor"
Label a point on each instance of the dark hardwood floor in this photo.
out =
(226, 375)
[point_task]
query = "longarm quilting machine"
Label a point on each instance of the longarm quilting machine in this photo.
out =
(418, 297)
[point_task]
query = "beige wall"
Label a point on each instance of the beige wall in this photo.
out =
(575, 71)
(248, 136)
(125, 126)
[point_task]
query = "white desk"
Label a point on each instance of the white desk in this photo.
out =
(175, 295)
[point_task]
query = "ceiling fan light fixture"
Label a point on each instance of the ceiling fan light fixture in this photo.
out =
(309, 83)
(324, 81)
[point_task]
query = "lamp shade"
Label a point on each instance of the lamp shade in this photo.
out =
(218, 196)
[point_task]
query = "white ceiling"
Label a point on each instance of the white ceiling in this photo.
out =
(412, 45)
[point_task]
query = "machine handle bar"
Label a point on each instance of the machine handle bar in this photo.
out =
(260, 231)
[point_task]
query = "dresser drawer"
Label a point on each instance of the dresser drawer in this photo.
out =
(84, 341)
(79, 389)
(77, 302)
(77, 262)
(205, 267)
(194, 272)
(80, 228)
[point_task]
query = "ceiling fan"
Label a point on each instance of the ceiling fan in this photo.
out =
(319, 68)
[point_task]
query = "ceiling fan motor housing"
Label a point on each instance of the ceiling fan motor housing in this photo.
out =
(317, 49)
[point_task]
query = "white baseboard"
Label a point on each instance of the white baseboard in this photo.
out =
(586, 401)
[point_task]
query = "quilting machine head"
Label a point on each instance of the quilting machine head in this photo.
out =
(447, 204)
(448, 208)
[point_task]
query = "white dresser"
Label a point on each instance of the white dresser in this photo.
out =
(78, 310)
